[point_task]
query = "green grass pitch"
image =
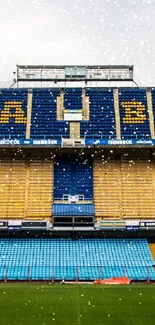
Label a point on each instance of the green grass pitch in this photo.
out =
(76, 304)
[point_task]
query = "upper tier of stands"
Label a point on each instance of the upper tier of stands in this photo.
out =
(16, 115)
(44, 121)
(13, 113)
(134, 113)
(102, 116)
(72, 98)
(93, 258)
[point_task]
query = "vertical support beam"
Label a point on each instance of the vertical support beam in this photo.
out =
(117, 113)
(150, 112)
(77, 130)
(60, 106)
(85, 106)
(71, 126)
(29, 113)
(74, 130)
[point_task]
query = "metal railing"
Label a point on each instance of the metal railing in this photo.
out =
(75, 273)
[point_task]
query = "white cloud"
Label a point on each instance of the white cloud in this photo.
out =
(81, 32)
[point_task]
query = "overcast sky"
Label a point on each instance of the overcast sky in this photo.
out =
(78, 32)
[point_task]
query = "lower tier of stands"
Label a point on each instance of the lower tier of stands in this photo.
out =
(85, 259)
(26, 189)
(107, 187)
(124, 188)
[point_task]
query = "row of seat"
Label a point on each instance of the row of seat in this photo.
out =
(87, 259)
(26, 189)
(13, 101)
(133, 108)
(124, 189)
(73, 176)
(102, 116)
(44, 119)
(73, 210)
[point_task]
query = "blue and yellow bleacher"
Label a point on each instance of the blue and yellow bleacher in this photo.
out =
(47, 259)
(134, 116)
(13, 113)
(100, 122)
(102, 115)
(73, 175)
(43, 120)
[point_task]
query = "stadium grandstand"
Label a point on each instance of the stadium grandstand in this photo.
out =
(77, 175)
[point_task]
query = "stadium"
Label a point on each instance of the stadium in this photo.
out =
(77, 196)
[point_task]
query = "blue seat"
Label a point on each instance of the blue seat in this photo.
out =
(44, 122)
(73, 176)
(90, 259)
(10, 102)
(138, 126)
(102, 116)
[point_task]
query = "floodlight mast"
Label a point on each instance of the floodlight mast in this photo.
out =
(74, 73)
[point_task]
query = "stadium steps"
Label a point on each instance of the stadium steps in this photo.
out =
(75, 130)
